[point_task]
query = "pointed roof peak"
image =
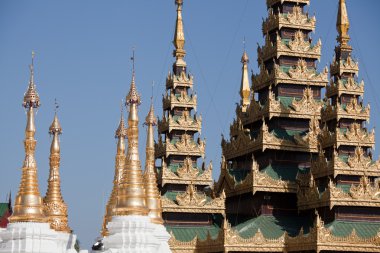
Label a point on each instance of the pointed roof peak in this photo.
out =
(245, 58)
(179, 36)
(121, 131)
(343, 23)
(55, 126)
(133, 96)
(151, 118)
(31, 97)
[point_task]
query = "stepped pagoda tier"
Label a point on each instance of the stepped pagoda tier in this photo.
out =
(191, 212)
(343, 183)
(273, 136)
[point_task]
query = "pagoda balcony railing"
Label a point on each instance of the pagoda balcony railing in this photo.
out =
(338, 67)
(351, 110)
(355, 135)
(298, 47)
(187, 174)
(296, 20)
(299, 74)
(305, 108)
(243, 144)
(273, 2)
(182, 80)
(347, 87)
(358, 164)
(179, 100)
(256, 181)
(184, 123)
(192, 201)
(363, 194)
(322, 239)
(186, 146)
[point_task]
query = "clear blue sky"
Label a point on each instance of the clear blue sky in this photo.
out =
(82, 59)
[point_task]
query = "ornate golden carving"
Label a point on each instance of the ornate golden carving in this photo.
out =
(350, 86)
(321, 238)
(181, 100)
(363, 194)
(185, 146)
(338, 67)
(183, 80)
(351, 110)
(355, 135)
(298, 47)
(184, 122)
(243, 144)
(305, 108)
(194, 202)
(187, 174)
(295, 19)
(273, 2)
(299, 74)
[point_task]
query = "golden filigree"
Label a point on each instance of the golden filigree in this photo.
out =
(321, 238)
(344, 66)
(179, 100)
(295, 19)
(185, 146)
(298, 47)
(307, 104)
(355, 135)
(183, 80)
(299, 74)
(350, 86)
(193, 201)
(184, 122)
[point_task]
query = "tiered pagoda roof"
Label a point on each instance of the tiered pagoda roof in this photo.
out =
(191, 209)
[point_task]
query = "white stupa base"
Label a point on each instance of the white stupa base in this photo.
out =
(163, 236)
(135, 234)
(31, 237)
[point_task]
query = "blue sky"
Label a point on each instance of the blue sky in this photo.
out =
(83, 51)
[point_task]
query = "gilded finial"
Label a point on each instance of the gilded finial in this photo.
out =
(55, 126)
(121, 133)
(133, 96)
(131, 199)
(245, 91)
(31, 97)
(343, 23)
(54, 206)
(153, 197)
(179, 37)
(28, 205)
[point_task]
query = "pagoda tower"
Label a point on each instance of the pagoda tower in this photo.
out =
(54, 206)
(132, 223)
(343, 184)
(274, 135)
(191, 211)
(31, 228)
(120, 135)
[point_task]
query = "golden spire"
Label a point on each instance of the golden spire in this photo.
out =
(54, 206)
(28, 205)
(343, 23)
(120, 134)
(131, 199)
(179, 37)
(153, 196)
(245, 91)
